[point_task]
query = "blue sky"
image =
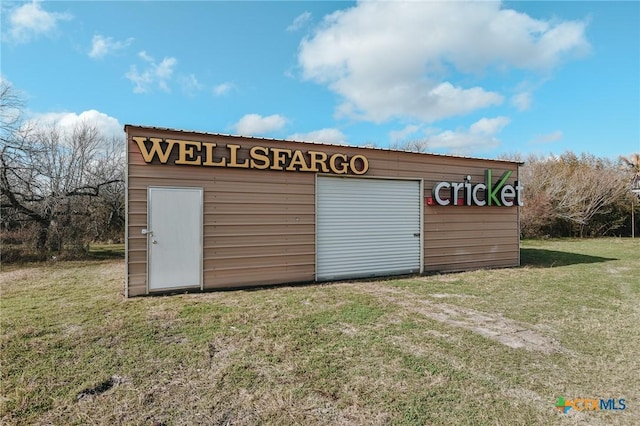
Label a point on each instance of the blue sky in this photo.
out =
(480, 79)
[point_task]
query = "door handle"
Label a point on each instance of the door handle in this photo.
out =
(154, 242)
(417, 234)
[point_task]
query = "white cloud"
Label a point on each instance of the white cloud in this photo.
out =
(401, 135)
(30, 21)
(145, 56)
(154, 75)
(489, 126)
(299, 22)
(66, 121)
(522, 101)
(327, 135)
(400, 59)
(190, 85)
(480, 137)
(102, 46)
(547, 138)
(222, 89)
(255, 124)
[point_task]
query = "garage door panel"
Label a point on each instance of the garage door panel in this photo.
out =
(367, 227)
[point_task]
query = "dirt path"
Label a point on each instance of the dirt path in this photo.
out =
(494, 326)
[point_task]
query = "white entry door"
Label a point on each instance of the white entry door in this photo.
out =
(174, 238)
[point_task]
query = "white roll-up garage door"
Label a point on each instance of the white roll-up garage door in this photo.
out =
(367, 227)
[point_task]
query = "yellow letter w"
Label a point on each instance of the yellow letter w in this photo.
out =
(156, 149)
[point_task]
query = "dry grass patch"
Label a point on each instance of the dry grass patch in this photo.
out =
(504, 330)
(422, 350)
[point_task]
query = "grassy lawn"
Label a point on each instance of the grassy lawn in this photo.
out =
(484, 347)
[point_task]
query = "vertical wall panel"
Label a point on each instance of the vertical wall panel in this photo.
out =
(259, 225)
(367, 227)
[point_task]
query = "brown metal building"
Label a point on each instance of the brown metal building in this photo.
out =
(210, 211)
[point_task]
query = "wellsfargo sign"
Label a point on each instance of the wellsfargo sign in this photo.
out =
(209, 154)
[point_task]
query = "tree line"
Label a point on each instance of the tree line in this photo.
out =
(60, 188)
(572, 195)
(64, 188)
(579, 195)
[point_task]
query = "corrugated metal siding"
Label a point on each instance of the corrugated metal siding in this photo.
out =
(258, 226)
(275, 223)
(366, 227)
(463, 237)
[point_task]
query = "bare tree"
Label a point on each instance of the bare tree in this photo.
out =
(537, 215)
(54, 178)
(11, 107)
(582, 192)
(412, 145)
(109, 216)
(631, 164)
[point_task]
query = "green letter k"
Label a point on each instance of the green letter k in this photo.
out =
(492, 192)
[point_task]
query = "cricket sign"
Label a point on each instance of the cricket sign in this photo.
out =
(485, 193)
(209, 154)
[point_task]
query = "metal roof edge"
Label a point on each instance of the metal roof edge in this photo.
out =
(126, 126)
